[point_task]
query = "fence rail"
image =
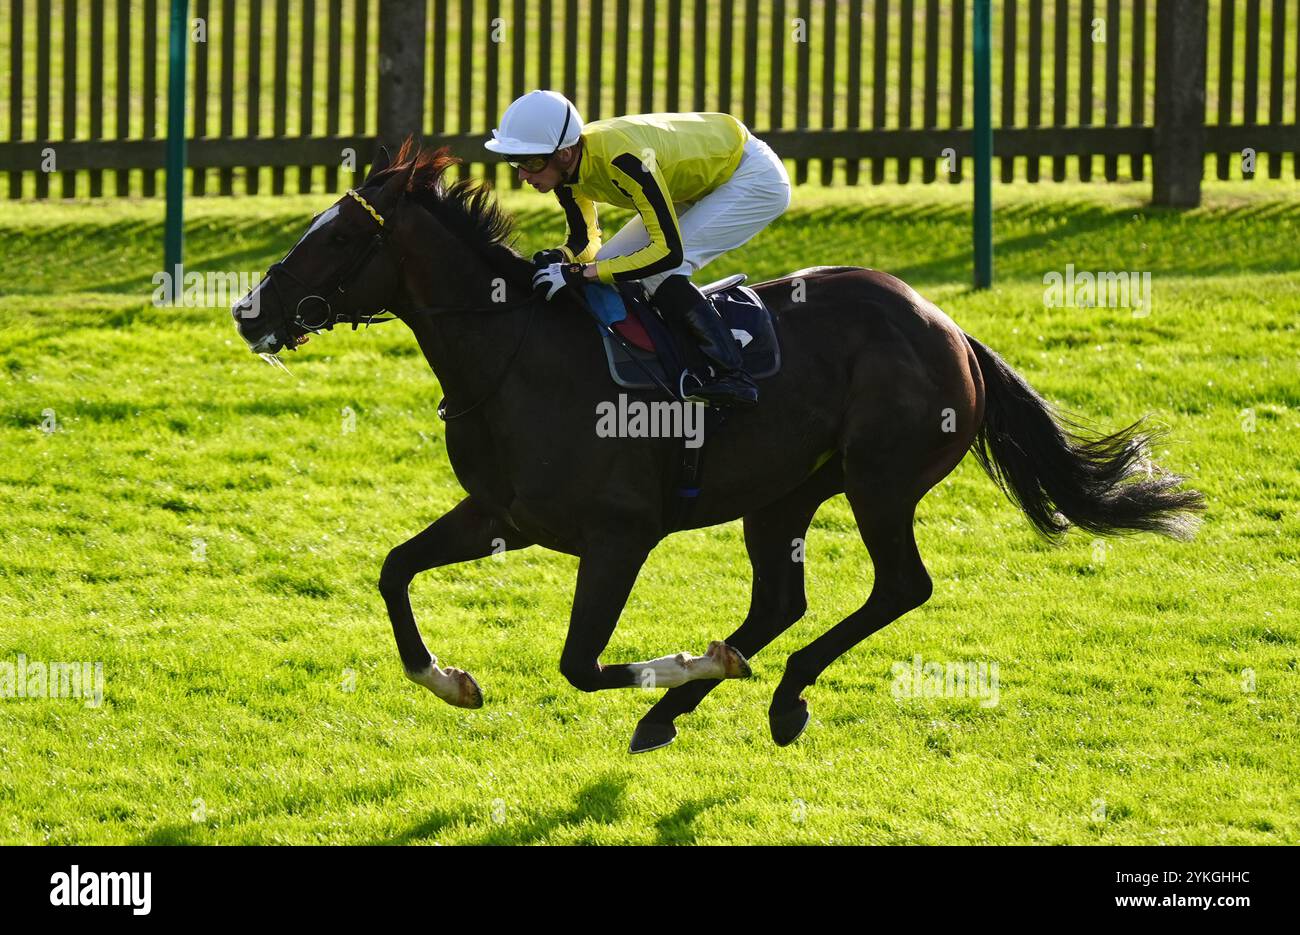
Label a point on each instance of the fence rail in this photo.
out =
(280, 92)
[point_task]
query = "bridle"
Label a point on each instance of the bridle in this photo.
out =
(305, 322)
(338, 289)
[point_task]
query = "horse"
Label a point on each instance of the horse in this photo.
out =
(880, 396)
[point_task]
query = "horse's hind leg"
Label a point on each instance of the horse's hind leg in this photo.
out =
(884, 518)
(774, 540)
(464, 533)
(606, 573)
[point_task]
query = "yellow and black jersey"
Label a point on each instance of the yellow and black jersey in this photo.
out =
(647, 162)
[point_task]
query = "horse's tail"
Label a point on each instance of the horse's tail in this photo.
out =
(1060, 474)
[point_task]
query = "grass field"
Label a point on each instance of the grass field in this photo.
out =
(205, 528)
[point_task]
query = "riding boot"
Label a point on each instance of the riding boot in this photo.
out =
(677, 297)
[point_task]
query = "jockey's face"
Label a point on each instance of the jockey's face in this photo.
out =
(557, 168)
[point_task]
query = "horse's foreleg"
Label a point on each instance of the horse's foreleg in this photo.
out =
(606, 574)
(464, 533)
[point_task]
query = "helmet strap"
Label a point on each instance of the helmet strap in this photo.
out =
(568, 113)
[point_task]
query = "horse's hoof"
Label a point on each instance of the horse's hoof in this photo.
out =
(734, 665)
(651, 736)
(787, 726)
(467, 694)
(454, 686)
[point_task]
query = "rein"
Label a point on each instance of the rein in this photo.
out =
(535, 301)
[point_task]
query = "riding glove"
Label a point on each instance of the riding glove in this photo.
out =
(555, 277)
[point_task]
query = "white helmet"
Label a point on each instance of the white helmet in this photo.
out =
(539, 122)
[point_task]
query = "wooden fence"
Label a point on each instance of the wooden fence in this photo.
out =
(281, 92)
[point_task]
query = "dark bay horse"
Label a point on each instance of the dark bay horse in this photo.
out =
(880, 396)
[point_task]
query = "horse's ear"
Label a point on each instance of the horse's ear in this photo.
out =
(394, 186)
(382, 161)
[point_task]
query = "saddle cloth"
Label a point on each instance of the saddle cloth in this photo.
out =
(669, 352)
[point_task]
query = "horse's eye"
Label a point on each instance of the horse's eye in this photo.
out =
(339, 239)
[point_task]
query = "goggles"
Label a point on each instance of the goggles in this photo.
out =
(530, 163)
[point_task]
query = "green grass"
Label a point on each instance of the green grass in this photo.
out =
(202, 526)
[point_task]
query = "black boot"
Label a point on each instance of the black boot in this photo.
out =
(678, 298)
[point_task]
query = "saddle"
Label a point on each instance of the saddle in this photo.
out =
(666, 350)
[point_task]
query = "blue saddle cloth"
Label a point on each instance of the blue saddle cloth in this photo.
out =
(606, 302)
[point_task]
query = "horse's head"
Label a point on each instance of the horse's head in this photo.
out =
(343, 269)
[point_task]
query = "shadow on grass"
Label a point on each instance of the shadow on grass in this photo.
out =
(174, 835)
(678, 827)
(600, 802)
(922, 242)
(926, 245)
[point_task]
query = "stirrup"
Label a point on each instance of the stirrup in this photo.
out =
(681, 387)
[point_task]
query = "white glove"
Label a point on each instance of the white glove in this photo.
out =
(556, 276)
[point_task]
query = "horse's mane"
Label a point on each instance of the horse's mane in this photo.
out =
(466, 206)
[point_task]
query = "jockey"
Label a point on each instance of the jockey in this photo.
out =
(701, 185)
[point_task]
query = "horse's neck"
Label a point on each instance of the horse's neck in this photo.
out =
(467, 350)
